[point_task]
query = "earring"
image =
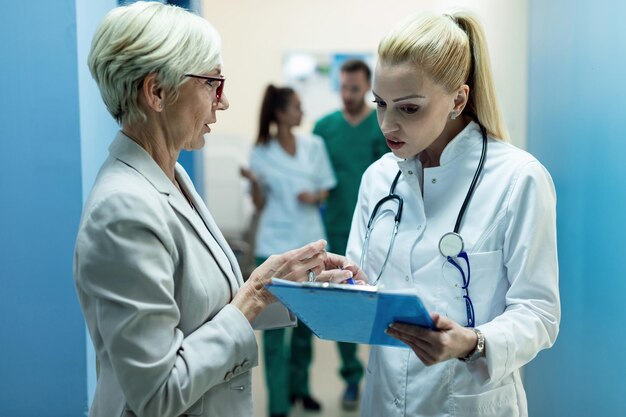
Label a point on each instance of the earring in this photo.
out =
(160, 106)
(452, 115)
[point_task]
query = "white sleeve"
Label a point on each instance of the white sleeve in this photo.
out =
(258, 166)
(531, 318)
(255, 161)
(325, 176)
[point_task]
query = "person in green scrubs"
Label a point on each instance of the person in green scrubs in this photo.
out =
(353, 140)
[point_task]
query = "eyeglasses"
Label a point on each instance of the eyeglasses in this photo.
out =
(220, 79)
(469, 306)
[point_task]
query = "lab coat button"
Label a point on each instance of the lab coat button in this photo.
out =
(410, 172)
(237, 370)
(228, 376)
(406, 278)
(434, 180)
(396, 402)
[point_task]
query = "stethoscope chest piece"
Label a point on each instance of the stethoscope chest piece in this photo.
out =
(451, 244)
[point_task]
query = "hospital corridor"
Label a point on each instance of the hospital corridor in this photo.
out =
(183, 181)
(326, 384)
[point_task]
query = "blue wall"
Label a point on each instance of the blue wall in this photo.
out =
(576, 128)
(42, 347)
(55, 134)
(97, 128)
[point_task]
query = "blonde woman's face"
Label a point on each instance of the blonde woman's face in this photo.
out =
(412, 109)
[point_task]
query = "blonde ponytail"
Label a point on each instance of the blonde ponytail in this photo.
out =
(482, 103)
(452, 50)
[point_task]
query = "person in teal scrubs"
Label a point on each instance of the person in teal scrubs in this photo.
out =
(353, 140)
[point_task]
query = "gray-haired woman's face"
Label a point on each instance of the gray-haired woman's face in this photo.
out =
(188, 119)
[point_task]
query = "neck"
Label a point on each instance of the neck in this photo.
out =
(356, 115)
(156, 144)
(286, 139)
(430, 157)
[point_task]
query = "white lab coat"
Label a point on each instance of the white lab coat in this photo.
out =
(287, 223)
(509, 231)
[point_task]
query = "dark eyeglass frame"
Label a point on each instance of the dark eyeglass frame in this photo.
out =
(469, 306)
(220, 87)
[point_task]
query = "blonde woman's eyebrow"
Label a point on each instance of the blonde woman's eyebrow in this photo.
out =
(408, 97)
(400, 98)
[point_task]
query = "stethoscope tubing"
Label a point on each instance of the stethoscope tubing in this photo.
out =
(398, 217)
(470, 191)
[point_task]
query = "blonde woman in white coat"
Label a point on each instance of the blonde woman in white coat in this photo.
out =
(436, 105)
(166, 306)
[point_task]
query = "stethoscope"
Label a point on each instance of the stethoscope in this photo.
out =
(451, 244)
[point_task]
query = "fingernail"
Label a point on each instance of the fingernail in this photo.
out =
(347, 274)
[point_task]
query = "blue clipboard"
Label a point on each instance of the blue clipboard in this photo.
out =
(351, 313)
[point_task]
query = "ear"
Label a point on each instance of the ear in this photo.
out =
(152, 92)
(460, 99)
(280, 116)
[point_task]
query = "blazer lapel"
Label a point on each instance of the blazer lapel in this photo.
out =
(206, 227)
(126, 150)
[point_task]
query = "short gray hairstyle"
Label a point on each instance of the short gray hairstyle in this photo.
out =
(149, 38)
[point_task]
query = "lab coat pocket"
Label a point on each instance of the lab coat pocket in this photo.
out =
(500, 402)
(488, 285)
(486, 281)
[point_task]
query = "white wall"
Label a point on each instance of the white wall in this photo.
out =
(255, 34)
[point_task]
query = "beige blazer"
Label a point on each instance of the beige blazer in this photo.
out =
(154, 279)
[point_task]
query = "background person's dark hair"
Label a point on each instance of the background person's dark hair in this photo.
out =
(275, 99)
(355, 65)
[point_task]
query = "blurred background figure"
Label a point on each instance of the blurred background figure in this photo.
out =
(353, 141)
(290, 177)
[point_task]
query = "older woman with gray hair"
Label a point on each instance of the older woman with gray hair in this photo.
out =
(167, 309)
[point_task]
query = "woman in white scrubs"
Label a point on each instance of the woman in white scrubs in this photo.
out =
(494, 300)
(290, 175)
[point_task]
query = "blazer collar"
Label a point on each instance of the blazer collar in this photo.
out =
(132, 154)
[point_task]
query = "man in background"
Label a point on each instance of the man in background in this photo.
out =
(353, 140)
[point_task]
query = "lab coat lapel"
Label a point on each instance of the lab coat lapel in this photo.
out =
(205, 226)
